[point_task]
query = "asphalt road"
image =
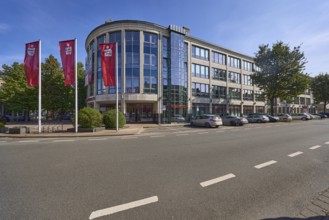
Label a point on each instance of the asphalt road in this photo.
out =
(265, 171)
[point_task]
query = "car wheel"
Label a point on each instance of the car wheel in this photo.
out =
(207, 125)
(259, 121)
(191, 124)
(303, 119)
(217, 126)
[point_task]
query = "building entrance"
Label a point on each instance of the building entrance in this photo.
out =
(139, 113)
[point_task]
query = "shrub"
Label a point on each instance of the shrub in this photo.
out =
(89, 118)
(2, 124)
(109, 119)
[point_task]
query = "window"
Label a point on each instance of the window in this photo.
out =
(200, 53)
(116, 37)
(200, 71)
(150, 63)
(100, 89)
(132, 62)
(219, 74)
(235, 93)
(248, 95)
(247, 80)
(218, 58)
(302, 100)
(247, 66)
(200, 89)
(234, 62)
(218, 92)
(234, 77)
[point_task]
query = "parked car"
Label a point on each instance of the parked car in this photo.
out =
(273, 118)
(255, 118)
(313, 116)
(4, 118)
(322, 115)
(233, 120)
(301, 116)
(207, 121)
(285, 117)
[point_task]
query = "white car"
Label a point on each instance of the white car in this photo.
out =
(207, 121)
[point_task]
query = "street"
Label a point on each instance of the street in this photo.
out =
(258, 171)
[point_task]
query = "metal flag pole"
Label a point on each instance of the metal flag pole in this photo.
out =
(39, 99)
(116, 85)
(76, 84)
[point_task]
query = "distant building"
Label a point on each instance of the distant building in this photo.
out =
(165, 73)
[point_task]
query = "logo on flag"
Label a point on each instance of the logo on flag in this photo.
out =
(108, 52)
(31, 50)
(68, 49)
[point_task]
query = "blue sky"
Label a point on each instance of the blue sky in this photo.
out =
(240, 25)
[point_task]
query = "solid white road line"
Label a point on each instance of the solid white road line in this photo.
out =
(157, 136)
(315, 147)
(217, 180)
(31, 141)
(97, 139)
(123, 207)
(63, 140)
(259, 166)
(295, 154)
(327, 142)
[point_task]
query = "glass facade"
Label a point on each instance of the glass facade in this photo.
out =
(116, 37)
(150, 63)
(100, 87)
(176, 100)
(218, 92)
(132, 61)
(200, 89)
(200, 71)
(200, 53)
(218, 74)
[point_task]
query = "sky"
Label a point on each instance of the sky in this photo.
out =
(239, 25)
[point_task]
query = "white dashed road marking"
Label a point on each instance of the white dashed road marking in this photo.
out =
(129, 138)
(31, 141)
(259, 166)
(295, 154)
(97, 139)
(123, 207)
(203, 133)
(181, 134)
(70, 140)
(217, 180)
(315, 147)
(157, 136)
(327, 142)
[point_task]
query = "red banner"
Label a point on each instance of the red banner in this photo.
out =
(67, 51)
(31, 63)
(108, 63)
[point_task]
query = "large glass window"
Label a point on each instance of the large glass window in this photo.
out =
(200, 89)
(218, 74)
(200, 71)
(219, 92)
(150, 63)
(116, 37)
(132, 62)
(248, 95)
(247, 66)
(235, 93)
(200, 53)
(219, 109)
(234, 77)
(247, 80)
(200, 108)
(234, 62)
(100, 89)
(91, 67)
(218, 58)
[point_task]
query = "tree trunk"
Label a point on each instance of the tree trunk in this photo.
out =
(272, 106)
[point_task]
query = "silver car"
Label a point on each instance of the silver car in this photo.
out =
(207, 121)
(257, 119)
(233, 120)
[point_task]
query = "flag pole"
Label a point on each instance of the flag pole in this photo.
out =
(39, 99)
(76, 85)
(116, 86)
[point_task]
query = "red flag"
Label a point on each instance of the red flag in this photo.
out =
(31, 63)
(108, 63)
(67, 51)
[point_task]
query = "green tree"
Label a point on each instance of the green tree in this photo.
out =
(56, 98)
(320, 89)
(15, 93)
(280, 72)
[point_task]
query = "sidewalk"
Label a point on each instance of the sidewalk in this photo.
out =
(52, 130)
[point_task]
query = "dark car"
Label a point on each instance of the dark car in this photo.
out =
(4, 118)
(273, 118)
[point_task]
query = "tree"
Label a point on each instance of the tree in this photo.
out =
(320, 89)
(280, 72)
(15, 93)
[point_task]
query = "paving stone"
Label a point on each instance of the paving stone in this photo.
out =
(324, 199)
(322, 205)
(316, 209)
(307, 213)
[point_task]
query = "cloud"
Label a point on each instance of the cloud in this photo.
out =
(4, 27)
